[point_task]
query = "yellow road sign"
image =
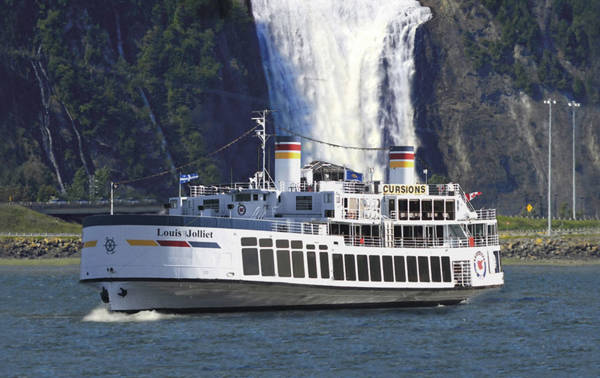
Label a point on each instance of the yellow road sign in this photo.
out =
(529, 208)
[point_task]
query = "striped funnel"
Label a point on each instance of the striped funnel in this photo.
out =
(402, 165)
(287, 161)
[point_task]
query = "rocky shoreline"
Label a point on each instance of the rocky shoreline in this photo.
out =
(39, 248)
(556, 248)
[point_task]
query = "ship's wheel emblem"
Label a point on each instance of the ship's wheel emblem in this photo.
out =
(241, 209)
(110, 245)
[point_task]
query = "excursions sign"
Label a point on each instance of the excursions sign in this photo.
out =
(405, 189)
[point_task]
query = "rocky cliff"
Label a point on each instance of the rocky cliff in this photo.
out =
(480, 126)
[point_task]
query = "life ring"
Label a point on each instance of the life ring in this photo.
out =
(241, 209)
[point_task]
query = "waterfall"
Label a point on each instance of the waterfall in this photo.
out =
(340, 71)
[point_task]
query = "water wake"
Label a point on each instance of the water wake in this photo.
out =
(341, 71)
(102, 315)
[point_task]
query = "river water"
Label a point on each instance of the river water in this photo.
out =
(546, 320)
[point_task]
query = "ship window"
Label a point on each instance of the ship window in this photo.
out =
(423, 269)
(436, 274)
(303, 203)
(311, 260)
(250, 261)
(392, 209)
(438, 209)
(446, 274)
(411, 265)
(211, 204)
(296, 244)
(328, 198)
(283, 264)
(439, 233)
(426, 210)
(403, 209)
(282, 243)
(248, 242)
(298, 264)
(498, 267)
(324, 260)
(338, 266)
(265, 242)
(255, 197)
(242, 197)
(414, 209)
(350, 267)
(363, 268)
(267, 267)
(375, 268)
(321, 246)
(388, 268)
(310, 246)
(329, 214)
(399, 269)
(450, 209)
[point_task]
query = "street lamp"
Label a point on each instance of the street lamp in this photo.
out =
(549, 102)
(574, 105)
(425, 172)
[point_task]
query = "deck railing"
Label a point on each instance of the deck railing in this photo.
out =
(376, 241)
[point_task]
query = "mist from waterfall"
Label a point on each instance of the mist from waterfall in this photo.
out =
(341, 71)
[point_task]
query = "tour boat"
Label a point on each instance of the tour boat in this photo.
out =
(318, 236)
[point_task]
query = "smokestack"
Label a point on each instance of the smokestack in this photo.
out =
(287, 161)
(402, 165)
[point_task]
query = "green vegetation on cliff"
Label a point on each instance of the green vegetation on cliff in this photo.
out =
(18, 219)
(560, 53)
(114, 90)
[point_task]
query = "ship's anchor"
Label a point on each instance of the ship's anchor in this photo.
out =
(104, 295)
(122, 293)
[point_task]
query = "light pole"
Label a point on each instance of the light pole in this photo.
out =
(425, 171)
(574, 105)
(549, 102)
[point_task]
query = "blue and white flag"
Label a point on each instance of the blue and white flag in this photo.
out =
(353, 176)
(187, 178)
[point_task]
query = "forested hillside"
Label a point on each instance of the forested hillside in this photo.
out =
(122, 89)
(94, 91)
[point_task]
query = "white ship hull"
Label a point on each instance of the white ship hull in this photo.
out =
(180, 264)
(192, 296)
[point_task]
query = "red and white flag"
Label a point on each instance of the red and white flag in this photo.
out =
(472, 195)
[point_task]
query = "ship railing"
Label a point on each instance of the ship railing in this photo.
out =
(449, 190)
(486, 214)
(353, 187)
(363, 241)
(299, 227)
(376, 241)
(203, 190)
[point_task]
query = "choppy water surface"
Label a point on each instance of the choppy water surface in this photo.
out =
(546, 320)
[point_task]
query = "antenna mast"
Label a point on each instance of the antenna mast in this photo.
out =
(261, 133)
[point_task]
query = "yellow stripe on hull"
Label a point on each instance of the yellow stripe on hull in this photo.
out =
(142, 243)
(90, 243)
(402, 164)
(287, 155)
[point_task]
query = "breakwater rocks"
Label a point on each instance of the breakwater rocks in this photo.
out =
(565, 248)
(39, 248)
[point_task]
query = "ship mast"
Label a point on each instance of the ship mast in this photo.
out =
(261, 133)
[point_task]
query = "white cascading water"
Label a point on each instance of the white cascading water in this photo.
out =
(341, 71)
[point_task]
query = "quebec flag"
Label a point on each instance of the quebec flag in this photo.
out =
(187, 178)
(353, 176)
